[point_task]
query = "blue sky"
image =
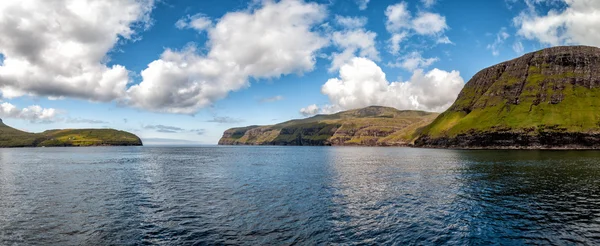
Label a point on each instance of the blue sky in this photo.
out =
(188, 70)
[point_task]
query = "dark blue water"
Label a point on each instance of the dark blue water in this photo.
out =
(297, 195)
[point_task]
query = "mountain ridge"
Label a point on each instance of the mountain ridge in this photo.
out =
(370, 126)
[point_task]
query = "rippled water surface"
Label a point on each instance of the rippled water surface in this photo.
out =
(303, 195)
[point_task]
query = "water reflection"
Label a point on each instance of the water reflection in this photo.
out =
(297, 195)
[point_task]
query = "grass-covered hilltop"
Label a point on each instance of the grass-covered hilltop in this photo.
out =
(371, 126)
(545, 99)
(10, 137)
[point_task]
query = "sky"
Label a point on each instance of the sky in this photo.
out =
(183, 71)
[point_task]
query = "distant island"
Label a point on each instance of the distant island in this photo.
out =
(549, 99)
(12, 138)
(371, 126)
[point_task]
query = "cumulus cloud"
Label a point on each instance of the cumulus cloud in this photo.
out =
(576, 23)
(310, 110)
(401, 24)
(501, 36)
(352, 43)
(34, 113)
(274, 40)
(413, 61)
(198, 22)
(59, 48)
(271, 99)
(362, 83)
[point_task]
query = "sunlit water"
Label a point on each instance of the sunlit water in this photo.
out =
(303, 195)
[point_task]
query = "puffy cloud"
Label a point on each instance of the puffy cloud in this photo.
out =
(310, 110)
(276, 39)
(362, 83)
(362, 4)
(59, 48)
(401, 24)
(34, 113)
(576, 23)
(429, 23)
(413, 61)
(271, 99)
(198, 22)
(501, 36)
(398, 17)
(353, 42)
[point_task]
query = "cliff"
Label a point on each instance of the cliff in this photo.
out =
(10, 137)
(545, 99)
(371, 126)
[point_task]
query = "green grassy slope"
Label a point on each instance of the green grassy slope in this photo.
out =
(10, 137)
(373, 126)
(550, 91)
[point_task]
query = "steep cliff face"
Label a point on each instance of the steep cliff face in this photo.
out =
(545, 99)
(371, 126)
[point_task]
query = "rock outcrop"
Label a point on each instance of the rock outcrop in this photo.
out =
(545, 99)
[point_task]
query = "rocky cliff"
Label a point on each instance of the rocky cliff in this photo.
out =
(371, 126)
(545, 99)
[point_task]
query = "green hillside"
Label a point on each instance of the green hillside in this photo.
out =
(10, 137)
(545, 99)
(371, 126)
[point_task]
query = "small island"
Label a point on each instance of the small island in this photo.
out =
(13, 138)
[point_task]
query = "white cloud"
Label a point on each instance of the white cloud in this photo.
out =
(33, 113)
(362, 4)
(59, 48)
(310, 110)
(276, 39)
(401, 24)
(413, 61)
(353, 42)
(429, 23)
(577, 23)
(428, 3)
(501, 36)
(198, 22)
(398, 17)
(350, 22)
(518, 47)
(362, 83)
